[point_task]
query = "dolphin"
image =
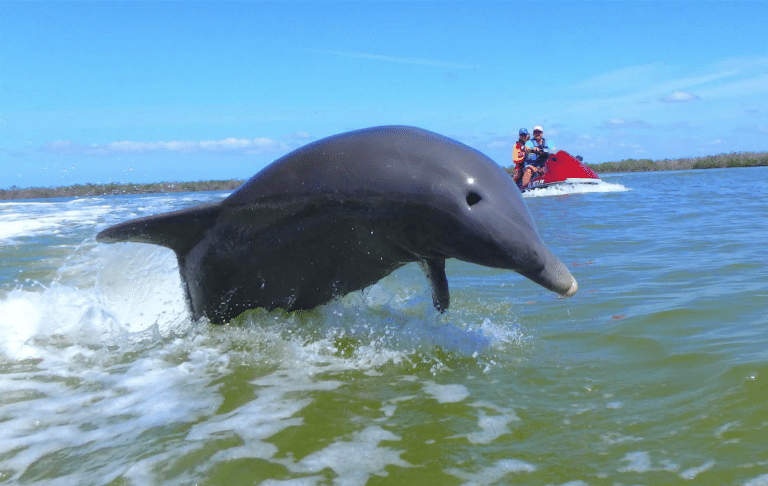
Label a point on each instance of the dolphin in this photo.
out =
(339, 214)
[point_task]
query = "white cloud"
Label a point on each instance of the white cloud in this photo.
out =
(749, 86)
(498, 144)
(761, 129)
(621, 123)
(398, 60)
(623, 79)
(743, 64)
(633, 146)
(298, 136)
(243, 145)
(636, 86)
(679, 97)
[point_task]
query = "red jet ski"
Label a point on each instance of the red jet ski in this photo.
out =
(562, 168)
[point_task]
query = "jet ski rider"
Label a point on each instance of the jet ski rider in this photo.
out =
(537, 152)
(518, 155)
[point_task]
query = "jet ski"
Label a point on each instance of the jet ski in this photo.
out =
(561, 168)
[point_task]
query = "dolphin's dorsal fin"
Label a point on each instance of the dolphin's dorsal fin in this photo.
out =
(180, 230)
(435, 270)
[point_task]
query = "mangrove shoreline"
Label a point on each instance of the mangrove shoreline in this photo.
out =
(723, 161)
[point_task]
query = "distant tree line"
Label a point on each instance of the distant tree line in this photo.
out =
(114, 189)
(723, 161)
(741, 159)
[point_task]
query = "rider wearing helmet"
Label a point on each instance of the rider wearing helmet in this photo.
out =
(537, 153)
(518, 154)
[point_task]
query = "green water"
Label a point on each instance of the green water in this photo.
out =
(655, 373)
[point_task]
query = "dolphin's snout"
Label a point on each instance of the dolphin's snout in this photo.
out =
(557, 278)
(573, 288)
(553, 275)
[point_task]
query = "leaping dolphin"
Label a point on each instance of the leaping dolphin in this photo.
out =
(341, 213)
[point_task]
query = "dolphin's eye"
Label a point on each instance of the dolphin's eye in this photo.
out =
(473, 198)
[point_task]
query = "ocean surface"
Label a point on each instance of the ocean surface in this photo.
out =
(654, 373)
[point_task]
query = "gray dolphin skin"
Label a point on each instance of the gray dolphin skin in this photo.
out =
(341, 213)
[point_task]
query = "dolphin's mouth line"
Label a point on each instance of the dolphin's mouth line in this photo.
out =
(572, 290)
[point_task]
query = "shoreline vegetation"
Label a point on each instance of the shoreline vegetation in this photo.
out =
(723, 161)
(734, 160)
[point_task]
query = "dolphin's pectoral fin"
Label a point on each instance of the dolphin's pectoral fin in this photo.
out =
(180, 230)
(435, 270)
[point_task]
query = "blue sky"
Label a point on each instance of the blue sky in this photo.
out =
(178, 91)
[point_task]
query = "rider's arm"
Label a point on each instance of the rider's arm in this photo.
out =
(518, 154)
